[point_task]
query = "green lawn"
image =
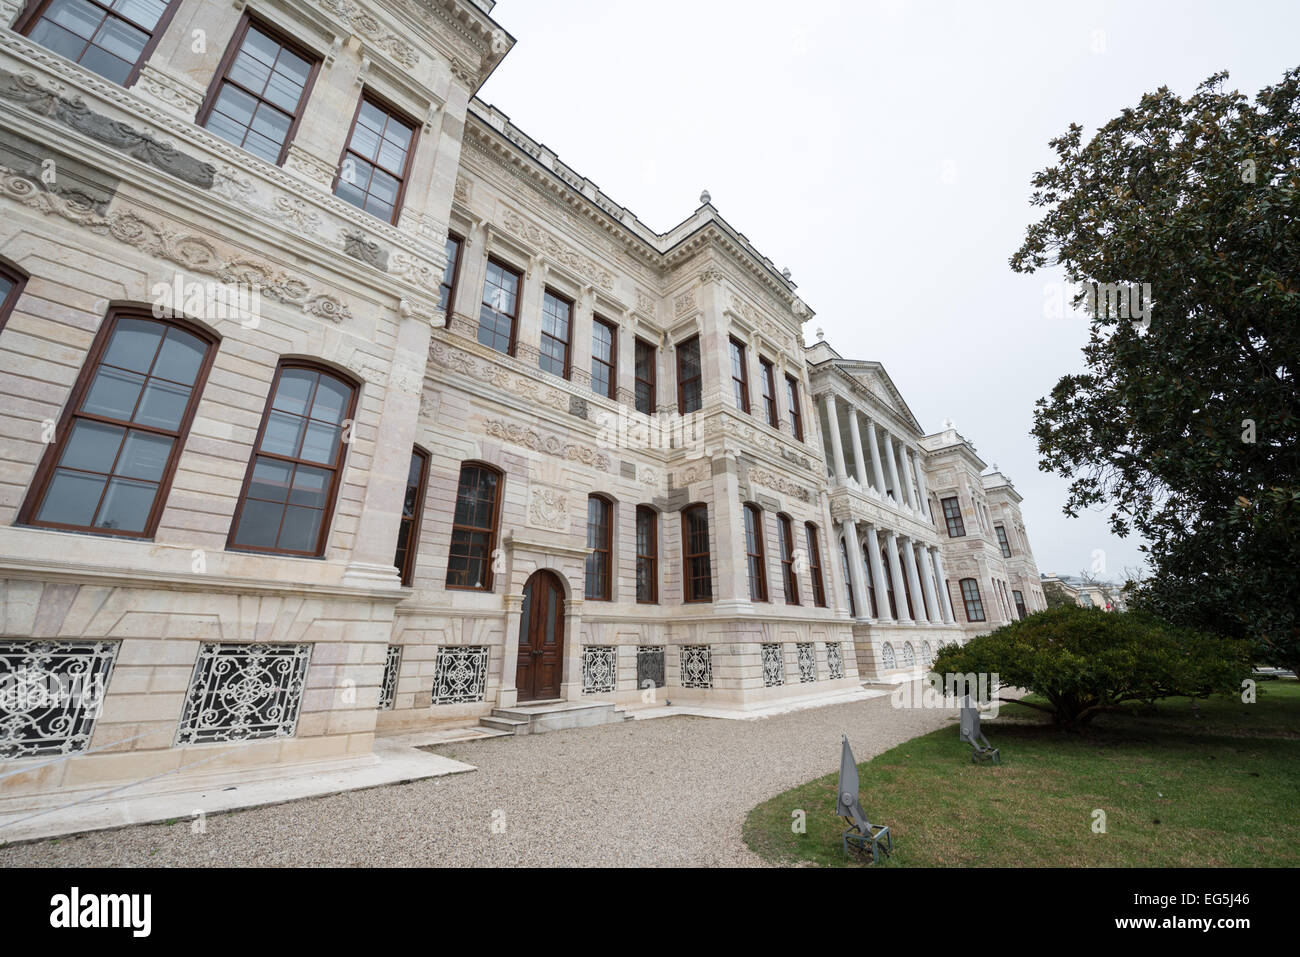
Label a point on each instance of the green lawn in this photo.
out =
(1218, 785)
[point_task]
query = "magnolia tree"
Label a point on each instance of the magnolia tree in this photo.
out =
(1186, 419)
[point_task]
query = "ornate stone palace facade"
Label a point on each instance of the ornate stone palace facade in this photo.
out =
(338, 406)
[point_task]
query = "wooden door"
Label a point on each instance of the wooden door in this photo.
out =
(541, 639)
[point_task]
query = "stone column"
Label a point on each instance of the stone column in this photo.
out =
(859, 466)
(625, 374)
(877, 471)
(926, 570)
(896, 574)
(937, 557)
(919, 468)
(909, 494)
(831, 579)
(913, 579)
(469, 284)
(754, 371)
(857, 580)
(878, 574)
(727, 530)
(508, 694)
(580, 333)
(571, 675)
(892, 460)
(528, 327)
(837, 444)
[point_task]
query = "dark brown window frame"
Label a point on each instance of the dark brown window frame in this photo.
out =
(754, 537)
(227, 60)
(407, 568)
(544, 335)
(54, 451)
(604, 547)
(739, 386)
(493, 532)
(612, 364)
(693, 341)
(19, 279)
(785, 539)
(650, 557)
(1021, 608)
(519, 298)
(394, 112)
(652, 383)
(815, 564)
(871, 580)
(953, 518)
(29, 17)
(967, 600)
(336, 481)
(848, 577)
(796, 413)
(773, 414)
(1003, 542)
(455, 273)
(689, 593)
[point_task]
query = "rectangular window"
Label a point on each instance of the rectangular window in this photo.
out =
(257, 97)
(600, 538)
(375, 163)
(690, 384)
(815, 565)
(697, 578)
(557, 327)
(474, 528)
(297, 464)
(408, 532)
(754, 553)
(647, 555)
(970, 594)
(122, 430)
(740, 375)
(450, 274)
(848, 584)
(646, 356)
(113, 38)
(496, 321)
(11, 287)
(789, 578)
(604, 358)
(792, 402)
(1002, 541)
(769, 394)
(952, 515)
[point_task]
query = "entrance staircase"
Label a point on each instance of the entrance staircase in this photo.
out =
(538, 717)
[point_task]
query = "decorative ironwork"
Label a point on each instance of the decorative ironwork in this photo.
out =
(806, 653)
(388, 690)
(650, 666)
(909, 655)
(887, 656)
(50, 694)
(697, 666)
(773, 666)
(599, 668)
(834, 660)
(460, 674)
(243, 692)
(927, 653)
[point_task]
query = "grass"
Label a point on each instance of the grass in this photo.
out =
(1213, 785)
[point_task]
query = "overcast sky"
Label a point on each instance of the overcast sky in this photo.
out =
(883, 152)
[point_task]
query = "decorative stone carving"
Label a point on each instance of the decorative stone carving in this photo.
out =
(296, 212)
(356, 245)
(548, 444)
(684, 303)
(463, 191)
(585, 267)
(784, 486)
(547, 509)
(370, 28)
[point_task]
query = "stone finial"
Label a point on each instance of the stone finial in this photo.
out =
(947, 423)
(995, 467)
(786, 273)
(705, 198)
(821, 334)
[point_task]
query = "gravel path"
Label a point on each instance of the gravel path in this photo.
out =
(669, 791)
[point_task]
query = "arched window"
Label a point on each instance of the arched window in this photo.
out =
(647, 555)
(889, 589)
(887, 657)
(121, 433)
(600, 538)
(408, 532)
(927, 653)
(848, 584)
(757, 563)
(12, 280)
(815, 565)
(474, 527)
(697, 573)
(871, 579)
(297, 463)
(909, 655)
(970, 594)
(907, 588)
(790, 579)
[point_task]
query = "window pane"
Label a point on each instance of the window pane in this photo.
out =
(121, 39)
(332, 399)
(180, 358)
(283, 434)
(113, 394)
(293, 391)
(320, 443)
(270, 480)
(126, 505)
(300, 530)
(71, 498)
(258, 524)
(163, 405)
(146, 13)
(134, 344)
(144, 456)
(92, 447)
(310, 487)
(58, 39)
(249, 71)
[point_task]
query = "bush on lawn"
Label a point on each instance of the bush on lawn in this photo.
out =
(1085, 661)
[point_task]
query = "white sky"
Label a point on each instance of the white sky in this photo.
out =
(883, 152)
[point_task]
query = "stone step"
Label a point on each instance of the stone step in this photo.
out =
(537, 717)
(507, 725)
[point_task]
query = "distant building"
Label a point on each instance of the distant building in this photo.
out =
(1107, 596)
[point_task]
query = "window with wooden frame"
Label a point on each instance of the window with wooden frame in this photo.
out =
(600, 538)
(604, 358)
(848, 583)
(785, 532)
(557, 330)
(889, 586)
(646, 373)
(907, 585)
(647, 555)
(376, 161)
(257, 96)
(792, 404)
(970, 596)
(121, 433)
(450, 274)
(754, 556)
(498, 317)
(297, 463)
(474, 527)
(1002, 541)
(697, 571)
(952, 515)
(815, 564)
(113, 38)
(1020, 604)
(690, 381)
(871, 580)
(12, 281)
(769, 394)
(740, 375)
(408, 532)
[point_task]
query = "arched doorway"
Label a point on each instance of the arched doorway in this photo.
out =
(541, 638)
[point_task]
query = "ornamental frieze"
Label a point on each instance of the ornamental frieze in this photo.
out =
(779, 484)
(495, 375)
(370, 28)
(547, 444)
(587, 268)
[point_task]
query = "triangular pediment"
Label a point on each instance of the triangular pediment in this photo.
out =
(872, 377)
